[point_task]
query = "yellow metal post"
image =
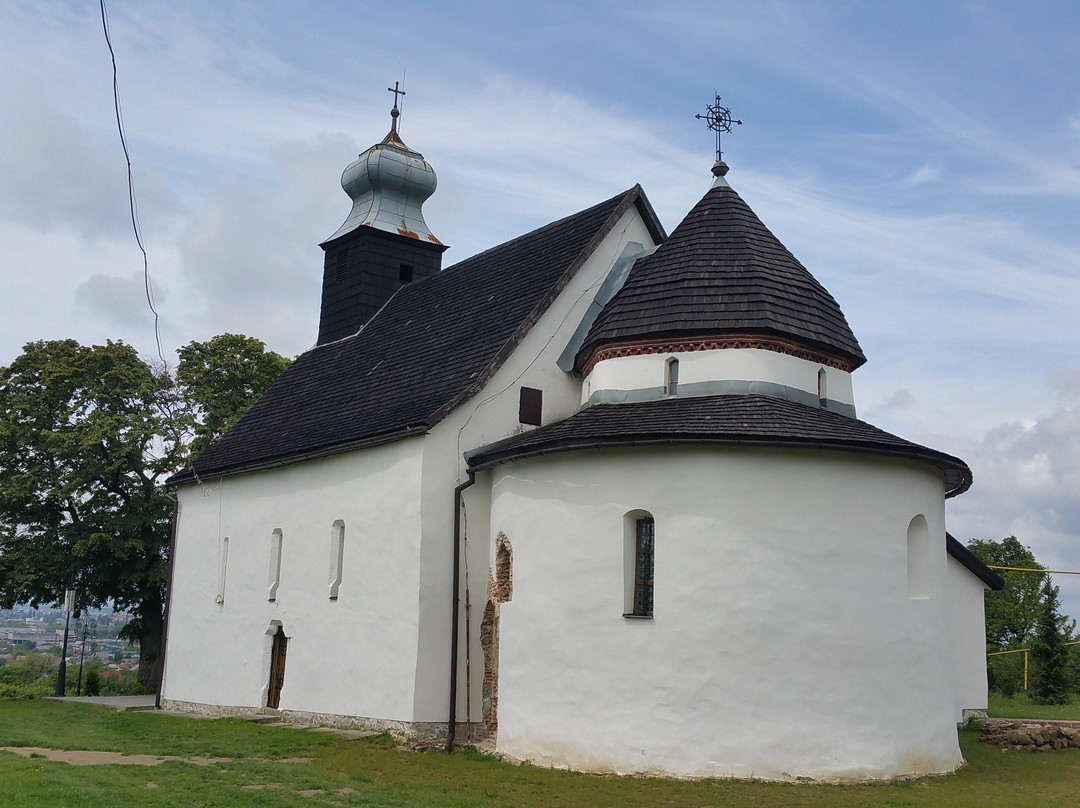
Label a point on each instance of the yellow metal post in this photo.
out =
(1025, 667)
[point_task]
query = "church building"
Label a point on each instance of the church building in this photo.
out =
(597, 498)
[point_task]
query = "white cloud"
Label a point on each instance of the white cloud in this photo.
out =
(120, 300)
(53, 174)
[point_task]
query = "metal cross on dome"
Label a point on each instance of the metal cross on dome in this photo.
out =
(719, 120)
(395, 112)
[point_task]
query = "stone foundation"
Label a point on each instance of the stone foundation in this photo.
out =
(418, 734)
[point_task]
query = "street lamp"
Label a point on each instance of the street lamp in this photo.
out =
(61, 674)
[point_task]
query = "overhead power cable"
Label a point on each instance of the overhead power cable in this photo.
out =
(132, 202)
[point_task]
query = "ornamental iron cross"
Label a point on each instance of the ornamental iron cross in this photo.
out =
(718, 118)
(395, 112)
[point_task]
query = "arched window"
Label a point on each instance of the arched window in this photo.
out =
(639, 546)
(822, 387)
(671, 377)
(275, 564)
(337, 557)
(918, 558)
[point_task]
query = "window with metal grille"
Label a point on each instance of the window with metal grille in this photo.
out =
(644, 546)
(342, 265)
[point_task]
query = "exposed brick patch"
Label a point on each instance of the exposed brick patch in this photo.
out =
(502, 590)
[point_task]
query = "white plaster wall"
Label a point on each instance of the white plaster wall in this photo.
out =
(489, 416)
(784, 643)
(968, 618)
(737, 364)
(355, 656)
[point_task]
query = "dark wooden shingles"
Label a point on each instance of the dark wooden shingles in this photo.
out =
(427, 347)
(723, 271)
(754, 420)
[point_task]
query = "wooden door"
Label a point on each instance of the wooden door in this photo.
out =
(277, 668)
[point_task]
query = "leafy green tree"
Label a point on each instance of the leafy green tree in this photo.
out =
(1051, 662)
(1012, 613)
(220, 379)
(86, 436)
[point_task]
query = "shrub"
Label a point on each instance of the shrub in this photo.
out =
(93, 683)
(23, 692)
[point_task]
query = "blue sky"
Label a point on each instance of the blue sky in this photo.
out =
(922, 159)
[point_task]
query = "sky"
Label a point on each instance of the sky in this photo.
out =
(921, 159)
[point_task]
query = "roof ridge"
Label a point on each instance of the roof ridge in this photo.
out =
(626, 199)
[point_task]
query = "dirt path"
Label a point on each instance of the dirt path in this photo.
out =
(86, 757)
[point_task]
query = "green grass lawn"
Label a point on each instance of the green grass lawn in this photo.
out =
(1021, 706)
(263, 770)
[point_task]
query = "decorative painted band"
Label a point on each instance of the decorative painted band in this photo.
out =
(761, 342)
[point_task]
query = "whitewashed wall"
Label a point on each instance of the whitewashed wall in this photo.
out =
(647, 371)
(489, 416)
(784, 642)
(352, 656)
(968, 615)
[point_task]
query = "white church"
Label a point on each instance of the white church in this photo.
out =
(597, 498)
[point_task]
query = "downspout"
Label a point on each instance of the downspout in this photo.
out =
(168, 596)
(454, 612)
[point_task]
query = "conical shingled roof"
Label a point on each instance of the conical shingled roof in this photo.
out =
(720, 273)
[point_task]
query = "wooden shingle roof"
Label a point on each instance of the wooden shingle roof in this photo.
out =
(725, 420)
(432, 346)
(722, 272)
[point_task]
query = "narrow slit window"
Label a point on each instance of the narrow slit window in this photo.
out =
(223, 565)
(337, 557)
(918, 558)
(671, 377)
(822, 387)
(639, 548)
(275, 564)
(530, 406)
(342, 270)
(643, 567)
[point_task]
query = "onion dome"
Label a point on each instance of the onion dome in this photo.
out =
(388, 185)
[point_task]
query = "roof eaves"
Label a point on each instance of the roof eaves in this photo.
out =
(973, 564)
(956, 473)
(190, 475)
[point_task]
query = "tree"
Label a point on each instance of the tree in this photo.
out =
(1012, 613)
(1051, 685)
(220, 379)
(86, 436)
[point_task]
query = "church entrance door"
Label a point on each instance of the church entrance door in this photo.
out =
(277, 667)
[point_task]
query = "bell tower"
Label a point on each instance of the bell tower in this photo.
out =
(384, 242)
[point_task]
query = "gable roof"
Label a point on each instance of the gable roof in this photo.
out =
(971, 561)
(723, 272)
(432, 346)
(725, 420)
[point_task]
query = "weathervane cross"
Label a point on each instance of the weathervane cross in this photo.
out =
(718, 118)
